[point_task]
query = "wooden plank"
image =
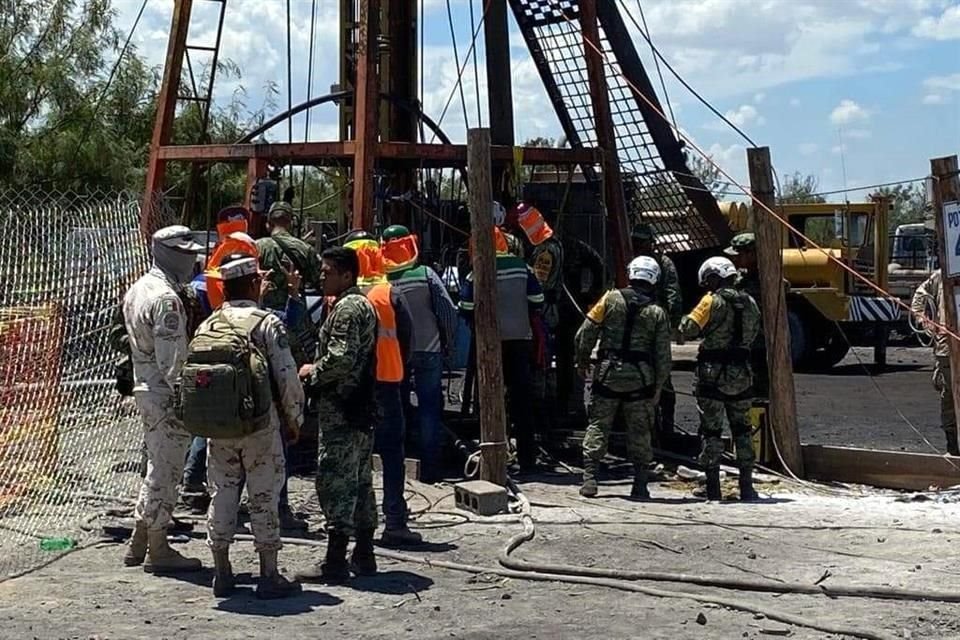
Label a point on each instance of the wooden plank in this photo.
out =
(493, 419)
(886, 469)
(946, 190)
(783, 403)
(366, 114)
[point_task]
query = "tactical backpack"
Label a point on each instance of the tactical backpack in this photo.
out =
(224, 388)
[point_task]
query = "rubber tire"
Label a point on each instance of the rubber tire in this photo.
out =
(799, 340)
(835, 350)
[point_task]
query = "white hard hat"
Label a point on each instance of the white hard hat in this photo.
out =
(643, 268)
(717, 266)
(499, 214)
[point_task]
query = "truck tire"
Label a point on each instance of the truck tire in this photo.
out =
(834, 349)
(799, 339)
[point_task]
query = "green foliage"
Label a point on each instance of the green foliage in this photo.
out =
(709, 174)
(909, 204)
(800, 189)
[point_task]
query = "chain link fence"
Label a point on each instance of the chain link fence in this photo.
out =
(69, 444)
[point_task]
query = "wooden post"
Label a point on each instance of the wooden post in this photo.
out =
(783, 404)
(946, 216)
(615, 200)
(493, 419)
(496, 38)
(366, 114)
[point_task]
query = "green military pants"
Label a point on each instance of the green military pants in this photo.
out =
(638, 416)
(712, 414)
(345, 478)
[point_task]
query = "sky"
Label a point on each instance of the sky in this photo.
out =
(854, 92)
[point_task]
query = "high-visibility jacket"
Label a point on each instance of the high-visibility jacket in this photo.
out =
(534, 226)
(389, 357)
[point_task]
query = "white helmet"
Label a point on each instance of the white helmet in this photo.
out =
(499, 214)
(643, 268)
(717, 266)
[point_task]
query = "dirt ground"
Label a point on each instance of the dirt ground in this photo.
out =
(797, 535)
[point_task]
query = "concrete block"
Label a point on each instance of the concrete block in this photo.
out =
(481, 497)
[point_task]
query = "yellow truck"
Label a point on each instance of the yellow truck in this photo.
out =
(829, 309)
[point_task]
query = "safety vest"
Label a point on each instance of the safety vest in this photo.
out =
(534, 226)
(389, 360)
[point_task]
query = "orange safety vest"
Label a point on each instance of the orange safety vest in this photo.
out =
(534, 226)
(389, 359)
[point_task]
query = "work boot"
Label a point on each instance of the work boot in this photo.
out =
(747, 492)
(137, 549)
(952, 447)
(400, 537)
(223, 580)
(289, 520)
(362, 561)
(162, 559)
(271, 585)
(589, 487)
(639, 490)
(713, 485)
(334, 569)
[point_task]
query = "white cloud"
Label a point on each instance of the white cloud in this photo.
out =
(794, 102)
(759, 97)
(934, 99)
(857, 134)
(745, 115)
(944, 27)
(808, 148)
(947, 83)
(838, 149)
(848, 112)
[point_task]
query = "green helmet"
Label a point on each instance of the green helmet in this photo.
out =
(746, 241)
(395, 231)
(643, 231)
(358, 234)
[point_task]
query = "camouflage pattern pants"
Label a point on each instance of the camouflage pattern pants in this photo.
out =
(345, 478)
(942, 382)
(712, 414)
(259, 456)
(638, 416)
(166, 443)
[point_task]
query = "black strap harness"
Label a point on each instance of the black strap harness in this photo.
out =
(625, 354)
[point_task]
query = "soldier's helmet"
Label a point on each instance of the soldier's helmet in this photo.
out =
(644, 269)
(716, 266)
(643, 231)
(746, 241)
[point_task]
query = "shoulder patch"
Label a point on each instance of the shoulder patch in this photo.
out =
(598, 311)
(701, 313)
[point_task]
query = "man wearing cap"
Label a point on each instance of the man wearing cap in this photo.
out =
(156, 324)
(743, 254)
(434, 329)
(643, 241)
(282, 252)
(257, 458)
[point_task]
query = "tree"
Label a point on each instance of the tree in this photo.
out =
(709, 174)
(800, 189)
(908, 202)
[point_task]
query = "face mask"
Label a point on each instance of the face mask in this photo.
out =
(175, 264)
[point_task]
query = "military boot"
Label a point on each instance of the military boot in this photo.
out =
(639, 490)
(271, 585)
(747, 492)
(362, 561)
(589, 487)
(137, 550)
(952, 447)
(223, 580)
(162, 559)
(400, 537)
(334, 569)
(713, 485)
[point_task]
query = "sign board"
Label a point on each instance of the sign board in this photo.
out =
(951, 226)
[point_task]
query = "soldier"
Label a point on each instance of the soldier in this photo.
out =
(258, 457)
(927, 305)
(156, 324)
(634, 363)
(668, 296)
(727, 322)
(342, 381)
(281, 253)
(434, 331)
(743, 254)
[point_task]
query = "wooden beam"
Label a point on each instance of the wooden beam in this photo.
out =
(493, 419)
(366, 114)
(166, 110)
(496, 38)
(319, 152)
(946, 216)
(886, 469)
(783, 403)
(615, 200)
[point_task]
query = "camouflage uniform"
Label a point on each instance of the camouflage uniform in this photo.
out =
(260, 454)
(723, 377)
(669, 299)
(630, 370)
(156, 326)
(280, 248)
(928, 303)
(343, 384)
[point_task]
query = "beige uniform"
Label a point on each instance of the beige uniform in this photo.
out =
(157, 326)
(258, 456)
(928, 302)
